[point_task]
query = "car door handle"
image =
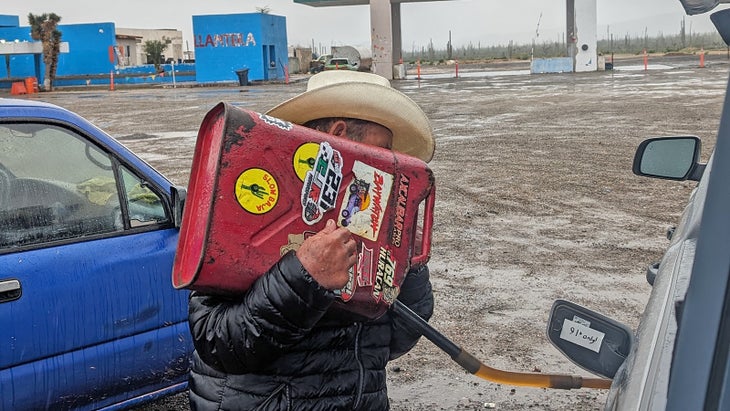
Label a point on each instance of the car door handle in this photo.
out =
(10, 290)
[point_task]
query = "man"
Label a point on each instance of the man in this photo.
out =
(282, 345)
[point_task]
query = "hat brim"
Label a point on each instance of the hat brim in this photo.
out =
(366, 101)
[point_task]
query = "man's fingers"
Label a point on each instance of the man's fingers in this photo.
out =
(353, 257)
(329, 227)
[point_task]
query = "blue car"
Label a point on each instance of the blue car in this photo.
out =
(88, 315)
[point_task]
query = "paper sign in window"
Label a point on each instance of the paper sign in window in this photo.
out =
(581, 335)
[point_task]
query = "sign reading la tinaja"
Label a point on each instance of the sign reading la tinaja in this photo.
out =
(224, 40)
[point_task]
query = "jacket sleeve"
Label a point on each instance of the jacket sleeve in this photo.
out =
(416, 293)
(237, 334)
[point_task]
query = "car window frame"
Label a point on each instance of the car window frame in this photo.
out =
(116, 162)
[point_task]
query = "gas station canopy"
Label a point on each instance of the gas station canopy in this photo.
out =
(385, 26)
(326, 3)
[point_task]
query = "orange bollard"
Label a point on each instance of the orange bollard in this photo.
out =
(646, 61)
(418, 69)
(111, 80)
(286, 74)
(18, 88)
(31, 85)
(457, 68)
(702, 57)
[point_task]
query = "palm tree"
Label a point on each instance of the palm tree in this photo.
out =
(154, 50)
(43, 28)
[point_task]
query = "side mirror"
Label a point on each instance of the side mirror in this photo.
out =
(671, 158)
(592, 341)
(179, 194)
(692, 7)
(721, 20)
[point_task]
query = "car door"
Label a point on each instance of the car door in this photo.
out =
(699, 377)
(87, 311)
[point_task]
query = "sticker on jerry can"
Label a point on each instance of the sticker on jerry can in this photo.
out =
(304, 159)
(368, 194)
(385, 288)
(321, 184)
(257, 191)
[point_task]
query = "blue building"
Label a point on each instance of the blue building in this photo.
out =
(88, 51)
(225, 44)
(90, 55)
(254, 43)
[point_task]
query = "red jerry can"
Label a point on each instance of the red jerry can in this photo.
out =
(260, 185)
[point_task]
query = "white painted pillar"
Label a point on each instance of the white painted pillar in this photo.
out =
(381, 37)
(582, 34)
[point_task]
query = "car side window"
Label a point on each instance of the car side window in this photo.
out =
(144, 206)
(57, 186)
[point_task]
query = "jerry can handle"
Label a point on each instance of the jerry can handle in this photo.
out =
(422, 258)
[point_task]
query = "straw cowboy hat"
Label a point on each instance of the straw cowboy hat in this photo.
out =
(364, 96)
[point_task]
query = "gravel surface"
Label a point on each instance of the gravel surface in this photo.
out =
(535, 201)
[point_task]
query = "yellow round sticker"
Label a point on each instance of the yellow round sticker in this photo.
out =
(257, 191)
(304, 159)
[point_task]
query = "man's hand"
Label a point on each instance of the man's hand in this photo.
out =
(328, 255)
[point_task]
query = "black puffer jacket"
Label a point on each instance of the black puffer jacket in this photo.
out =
(280, 346)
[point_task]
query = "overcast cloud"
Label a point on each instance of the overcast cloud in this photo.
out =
(476, 22)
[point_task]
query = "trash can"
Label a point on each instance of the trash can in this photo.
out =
(242, 77)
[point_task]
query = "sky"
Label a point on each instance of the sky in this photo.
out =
(468, 22)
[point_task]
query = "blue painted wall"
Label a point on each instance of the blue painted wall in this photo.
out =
(552, 65)
(228, 43)
(9, 21)
(136, 75)
(88, 51)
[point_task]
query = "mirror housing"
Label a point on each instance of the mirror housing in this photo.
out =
(179, 195)
(671, 158)
(692, 7)
(592, 341)
(721, 20)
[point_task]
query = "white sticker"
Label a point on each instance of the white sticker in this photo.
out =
(321, 184)
(582, 321)
(363, 209)
(581, 335)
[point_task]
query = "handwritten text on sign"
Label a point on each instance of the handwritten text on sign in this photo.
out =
(579, 334)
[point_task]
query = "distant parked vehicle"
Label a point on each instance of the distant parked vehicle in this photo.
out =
(315, 66)
(340, 64)
(88, 233)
